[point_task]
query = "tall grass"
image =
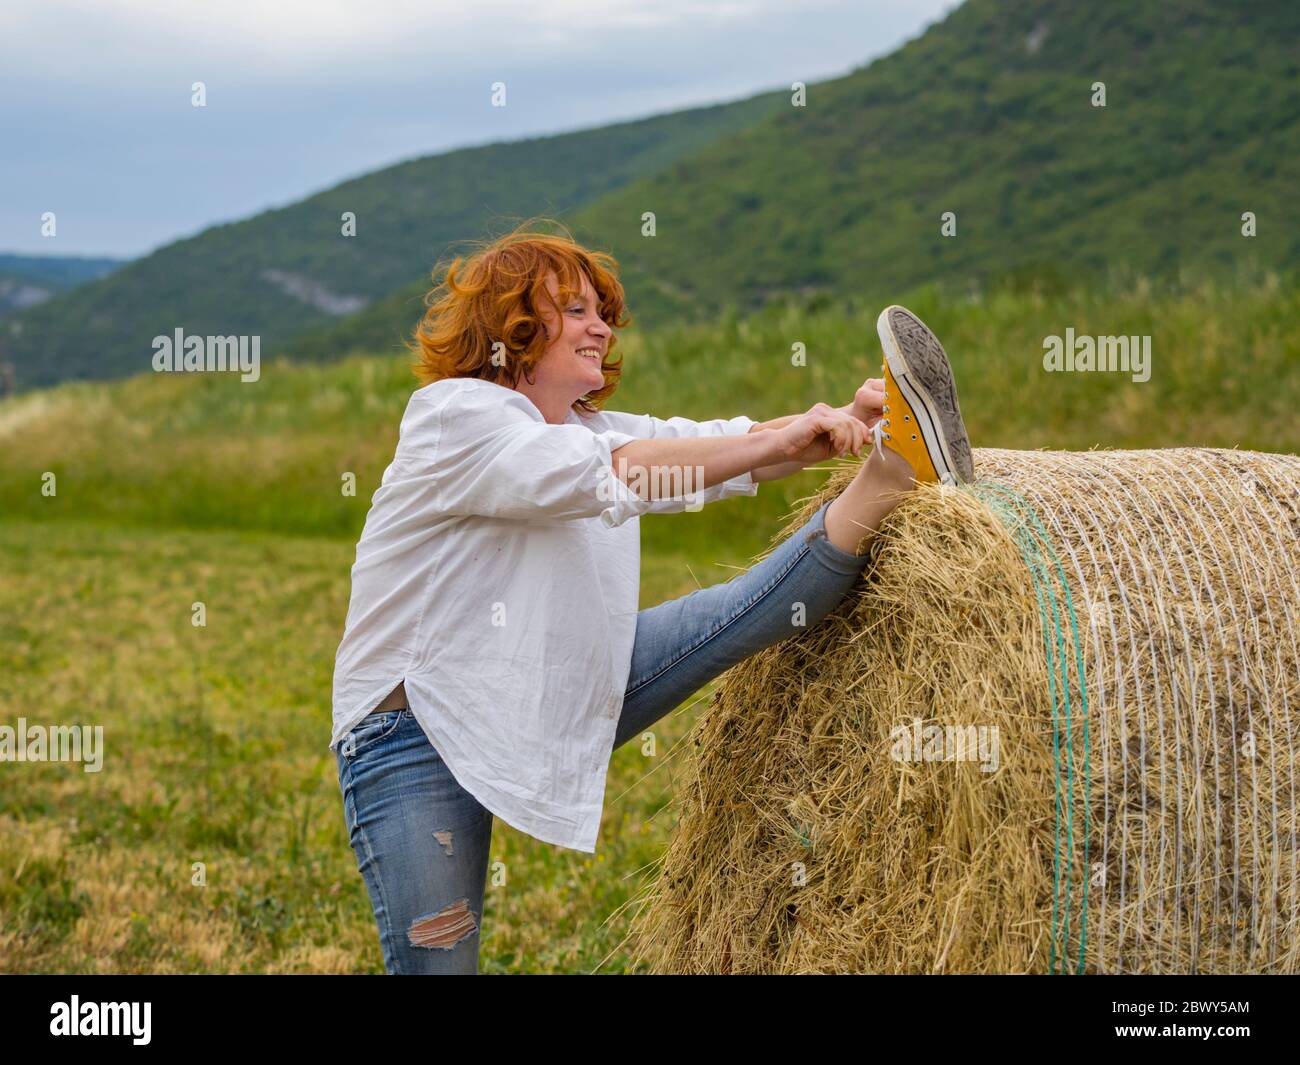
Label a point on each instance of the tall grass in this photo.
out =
(205, 451)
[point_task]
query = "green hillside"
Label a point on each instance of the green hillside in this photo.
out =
(26, 280)
(989, 115)
(287, 270)
(384, 326)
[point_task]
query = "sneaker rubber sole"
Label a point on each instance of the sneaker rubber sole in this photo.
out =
(920, 366)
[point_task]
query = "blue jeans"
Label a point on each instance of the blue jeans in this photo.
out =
(427, 891)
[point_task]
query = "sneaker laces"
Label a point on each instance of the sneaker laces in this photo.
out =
(876, 435)
(876, 432)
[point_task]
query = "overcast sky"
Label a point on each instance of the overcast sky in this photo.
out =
(97, 123)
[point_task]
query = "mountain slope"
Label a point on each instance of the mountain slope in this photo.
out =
(287, 270)
(989, 115)
(26, 280)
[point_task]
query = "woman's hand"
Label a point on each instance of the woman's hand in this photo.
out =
(868, 401)
(821, 433)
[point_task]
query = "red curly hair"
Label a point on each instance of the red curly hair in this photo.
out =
(496, 295)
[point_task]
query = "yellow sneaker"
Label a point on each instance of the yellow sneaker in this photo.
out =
(921, 419)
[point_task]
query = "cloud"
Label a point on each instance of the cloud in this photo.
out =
(305, 93)
(70, 39)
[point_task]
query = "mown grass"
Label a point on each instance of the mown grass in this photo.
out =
(215, 752)
(176, 490)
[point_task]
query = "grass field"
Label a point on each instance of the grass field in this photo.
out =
(215, 752)
(179, 489)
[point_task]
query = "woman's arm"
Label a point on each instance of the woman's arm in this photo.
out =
(777, 423)
(650, 466)
(695, 463)
(777, 471)
(866, 407)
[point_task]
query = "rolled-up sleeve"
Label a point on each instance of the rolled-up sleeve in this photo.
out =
(643, 426)
(494, 456)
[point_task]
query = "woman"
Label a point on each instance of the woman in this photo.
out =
(494, 655)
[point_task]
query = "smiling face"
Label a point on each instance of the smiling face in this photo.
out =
(570, 366)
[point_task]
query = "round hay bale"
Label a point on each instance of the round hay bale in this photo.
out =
(1054, 729)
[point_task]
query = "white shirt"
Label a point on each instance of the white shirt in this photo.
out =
(498, 574)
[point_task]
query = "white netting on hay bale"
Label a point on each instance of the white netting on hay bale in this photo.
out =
(1121, 626)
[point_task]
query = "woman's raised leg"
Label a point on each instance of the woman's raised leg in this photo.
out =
(684, 643)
